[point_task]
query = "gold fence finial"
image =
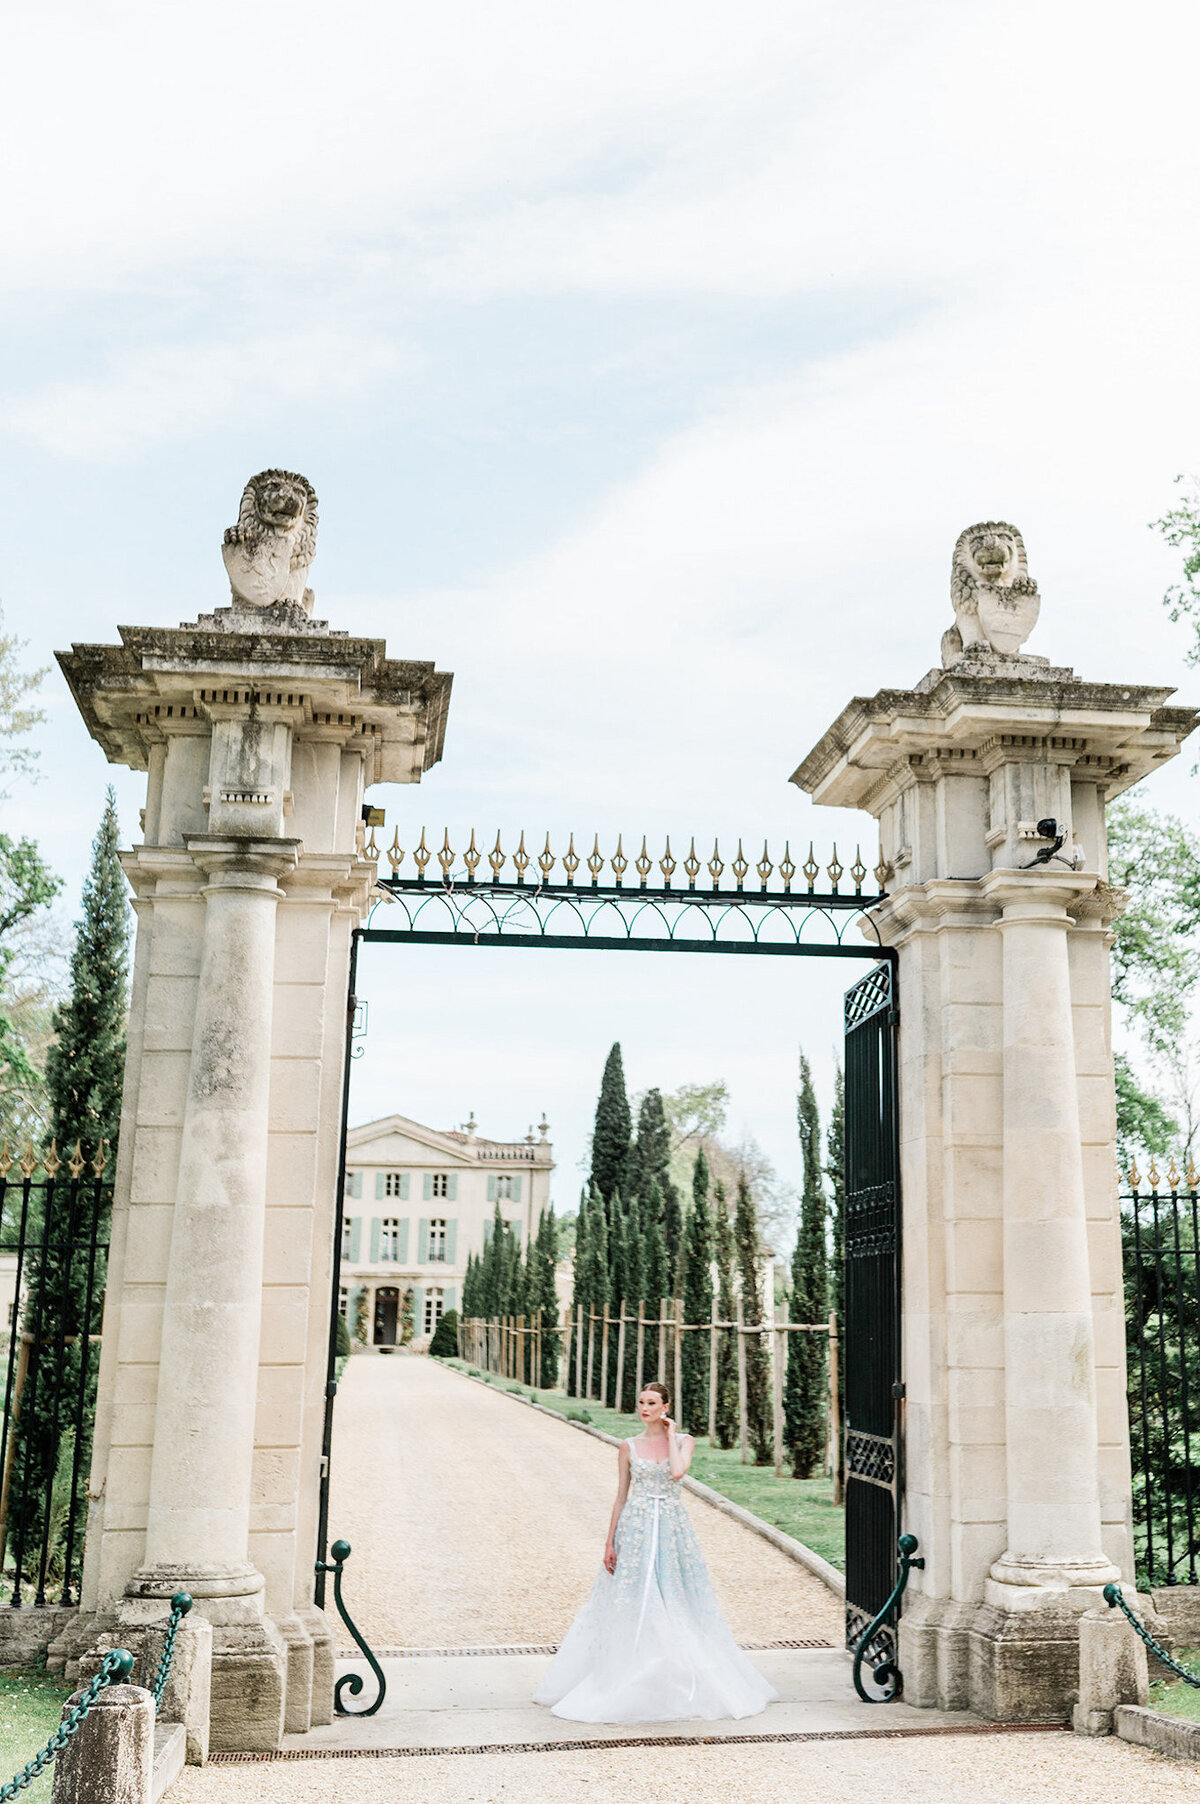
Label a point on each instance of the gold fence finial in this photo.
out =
(1152, 1175)
(787, 869)
(395, 856)
(1133, 1174)
(643, 863)
(496, 859)
(858, 871)
(77, 1161)
(715, 867)
(1172, 1174)
(546, 861)
(446, 856)
(595, 861)
(1193, 1176)
(835, 871)
(6, 1159)
(371, 849)
(571, 861)
(666, 864)
(620, 863)
(764, 867)
(881, 870)
(521, 859)
(422, 855)
(471, 857)
(101, 1159)
(740, 866)
(52, 1162)
(691, 864)
(811, 868)
(29, 1162)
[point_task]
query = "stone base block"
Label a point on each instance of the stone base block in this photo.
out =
(1177, 1608)
(324, 1658)
(1112, 1671)
(297, 1714)
(1007, 1666)
(249, 1688)
(25, 1635)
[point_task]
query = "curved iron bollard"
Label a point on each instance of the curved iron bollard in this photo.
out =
(887, 1672)
(181, 1603)
(117, 1666)
(351, 1681)
(1114, 1597)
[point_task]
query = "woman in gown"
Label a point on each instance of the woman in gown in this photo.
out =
(650, 1644)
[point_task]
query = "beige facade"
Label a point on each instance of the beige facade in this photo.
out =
(418, 1203)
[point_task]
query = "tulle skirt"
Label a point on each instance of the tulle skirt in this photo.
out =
(650, 1644)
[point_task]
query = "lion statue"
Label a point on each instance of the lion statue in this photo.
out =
(996, 601)
(268, 552)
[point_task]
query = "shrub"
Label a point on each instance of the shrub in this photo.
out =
(342, 1337)
(577, 1415)
(444, 1344)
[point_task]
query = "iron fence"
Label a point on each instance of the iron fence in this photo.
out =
(54, 1218)
(1160, 1230)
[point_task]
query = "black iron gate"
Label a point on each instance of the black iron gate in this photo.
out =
(729, 914)
(874, 1392)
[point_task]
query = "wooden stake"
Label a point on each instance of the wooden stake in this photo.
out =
(835, 1413)
(604, 1360)
(712, 1375)
(579, 1349)
(641, 1352)
(743, 1423)
(777, 1366)
(677, 1388)
(620, 1386)
(663, 1311)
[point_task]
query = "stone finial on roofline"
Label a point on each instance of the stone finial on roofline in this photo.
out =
(996, 601)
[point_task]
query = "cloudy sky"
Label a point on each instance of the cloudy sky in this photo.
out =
(647, 360)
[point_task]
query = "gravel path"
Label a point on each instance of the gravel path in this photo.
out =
(1001, 1769)
(477, 1521)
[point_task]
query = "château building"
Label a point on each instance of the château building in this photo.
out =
(418, 1202)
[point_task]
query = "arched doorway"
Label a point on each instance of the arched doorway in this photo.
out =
(387, 1315)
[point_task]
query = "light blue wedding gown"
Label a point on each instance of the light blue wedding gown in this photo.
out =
(650, 1645)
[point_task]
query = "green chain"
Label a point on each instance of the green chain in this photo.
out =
(181, 1603)
(1113, 1597)
(117, 1666)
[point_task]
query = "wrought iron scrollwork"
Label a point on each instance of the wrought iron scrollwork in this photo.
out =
(886, 1674)
(351, 1681)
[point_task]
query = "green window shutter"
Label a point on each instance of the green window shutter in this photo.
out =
(374, 1240)
(517, 1188)
(378, 1186)
(418, 1310)
(452, 1187)
(492, 1188)
(515, 1225)
(427, 1186)
(451, 1241)
(354, 1184)
(422, 1241)
(450, 1302)
(402, 1242)
(355, 1236)
(404, 1187)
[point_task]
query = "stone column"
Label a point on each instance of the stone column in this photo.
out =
(989, 780)
(260, 729)
(1051, 1443)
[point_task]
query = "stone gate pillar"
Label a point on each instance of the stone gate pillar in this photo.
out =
(989, 781)
(259, 729)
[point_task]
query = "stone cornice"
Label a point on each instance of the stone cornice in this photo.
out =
(899, 736)
(164, 679)
(1075, 898)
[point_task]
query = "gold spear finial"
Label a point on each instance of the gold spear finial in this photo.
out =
(691, 864)
(471, 858)
(666, 864)
(395, 856)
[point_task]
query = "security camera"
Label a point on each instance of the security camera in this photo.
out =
(1055, 832)
(1052, 829)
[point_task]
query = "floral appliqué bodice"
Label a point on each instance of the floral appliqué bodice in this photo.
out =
(651, 1479)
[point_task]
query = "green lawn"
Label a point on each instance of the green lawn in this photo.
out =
(1172, 1696)
(30, 1709)
(801, 1507)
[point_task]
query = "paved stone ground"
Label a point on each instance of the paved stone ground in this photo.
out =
(996, 1769)
(477, 1521)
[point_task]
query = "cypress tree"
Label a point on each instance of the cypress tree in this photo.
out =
(652, 1160)
(579, 1290)
(758, 1366)
(543, 1296)
(697, 1300)
(655, 1271)
(805, 1390)
(610, 1135)
(727, 1384)
(84, 1076)
(631, 1230)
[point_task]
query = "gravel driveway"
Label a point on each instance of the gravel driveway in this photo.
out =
(477, 1521)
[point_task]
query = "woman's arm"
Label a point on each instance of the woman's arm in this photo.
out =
(610, 1546)
(679, 1449)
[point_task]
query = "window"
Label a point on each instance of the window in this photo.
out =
(435, 1303)
(504, 1189)
(389, 1239)
(347, 1229)
(393, 1183)
(441, 1184)
(344, 1303)
(437, 1239)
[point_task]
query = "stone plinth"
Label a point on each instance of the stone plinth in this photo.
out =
(1017, 1456)
(259, 730)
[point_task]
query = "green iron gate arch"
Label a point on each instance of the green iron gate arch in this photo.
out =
(739, 912)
